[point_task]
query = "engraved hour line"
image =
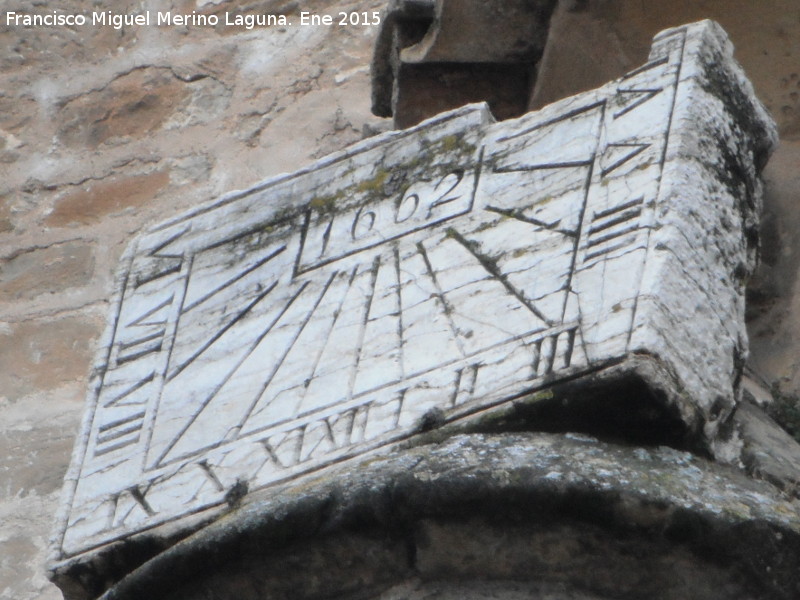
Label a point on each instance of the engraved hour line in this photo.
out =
(564, 117)
(517, 214)
(637, 149)
(279, 363)
(221, 332)
(646, 95)
(537, 355)
(357, 400)
(376, 265)
(297, 434)
(586, 188)
(646, 67)
(324, 345)
(231, 373)
(447, 309)
(400, 342)
(139, 322)
(139, 384)
(233, 280)
(494, 272)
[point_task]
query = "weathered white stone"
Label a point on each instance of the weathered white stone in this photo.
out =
(423, 277)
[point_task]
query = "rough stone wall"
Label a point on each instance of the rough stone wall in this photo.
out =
(101, 131)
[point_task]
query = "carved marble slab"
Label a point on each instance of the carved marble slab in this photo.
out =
(447, 269)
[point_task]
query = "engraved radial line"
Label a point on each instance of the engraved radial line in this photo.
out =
(582, 216)
(324, 345)
(230, 374)
(130, 390)
(278, 364)
(440, 294)
(647, 67)
(639, 148)
(513, 214)
(399, 312)
(170, 334)
(176, 268)
(573, 262)
(138, 321)
(492, 270)
(221, 332)
(564, 117)
(155, 251)
(376, 265)
(230, 282)
(179, 312)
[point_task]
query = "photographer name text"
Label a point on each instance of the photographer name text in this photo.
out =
(171, 19)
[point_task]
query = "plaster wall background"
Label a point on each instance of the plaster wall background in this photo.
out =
(103, 131)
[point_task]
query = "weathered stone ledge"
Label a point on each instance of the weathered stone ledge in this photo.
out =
(542, 508)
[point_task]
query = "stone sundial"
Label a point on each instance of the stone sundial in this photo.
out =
(450, 270)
